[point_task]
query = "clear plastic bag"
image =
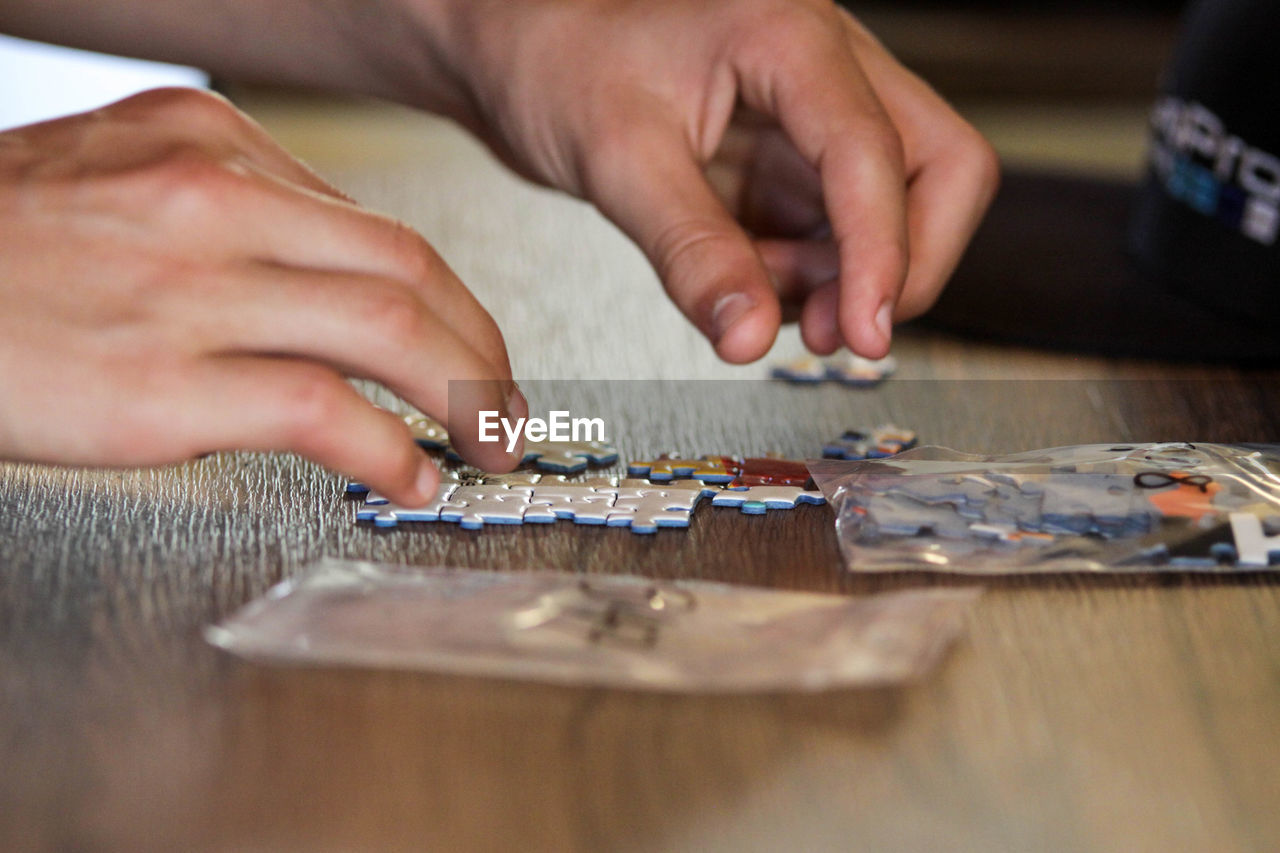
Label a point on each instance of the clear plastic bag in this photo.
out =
(604, 630)
(1095, 508)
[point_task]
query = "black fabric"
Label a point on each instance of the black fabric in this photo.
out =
(1187, 265)
(1207, 218)
(1049, 268)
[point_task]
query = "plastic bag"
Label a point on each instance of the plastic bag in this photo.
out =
(1096, 508)
(608, 630)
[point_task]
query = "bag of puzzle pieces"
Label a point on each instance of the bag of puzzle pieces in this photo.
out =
(595, 630)
(1093, 508)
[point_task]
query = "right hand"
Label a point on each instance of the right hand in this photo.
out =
(172, 283)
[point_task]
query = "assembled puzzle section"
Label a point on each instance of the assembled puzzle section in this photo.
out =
(658, 493)
(663, 492)
(1089, 508)
(639, 505)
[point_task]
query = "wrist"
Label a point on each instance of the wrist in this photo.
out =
(406, 47)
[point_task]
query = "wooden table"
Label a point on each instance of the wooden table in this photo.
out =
(1077, 713)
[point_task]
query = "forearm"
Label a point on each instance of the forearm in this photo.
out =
(370, 47)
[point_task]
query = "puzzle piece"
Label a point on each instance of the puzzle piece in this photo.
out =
(667, 467)
(562, 457)
(1253, 545)
(755, 500)
(428, 432)
(645, 506)
(771, 471)
(583, 502)
(568, 457)
(877, 443)
(849, 369)
(902, 515)
(1010, 534)
(472, 507)
(859, 372)
(806, 370)
(383, 513)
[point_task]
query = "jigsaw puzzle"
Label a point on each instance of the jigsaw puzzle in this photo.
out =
(661, 492)
(638, 504)
(848, 369)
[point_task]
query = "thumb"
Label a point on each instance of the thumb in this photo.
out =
(648, 181)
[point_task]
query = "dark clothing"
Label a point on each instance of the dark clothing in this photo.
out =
(1198, 275)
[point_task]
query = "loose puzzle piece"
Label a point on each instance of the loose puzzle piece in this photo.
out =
(771, 471)
(861, 372)
(428, 432)
(877, 443)
(562, 457)
(728, 470)
(849, 369)
(568, 457)
(755, 500)
(804, 370)
(667, 467)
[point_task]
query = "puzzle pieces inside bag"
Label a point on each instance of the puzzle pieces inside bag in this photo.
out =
(1088, 508)
(847, 369)
(876, 443)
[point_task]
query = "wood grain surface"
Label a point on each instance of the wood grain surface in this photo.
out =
(1077, 713)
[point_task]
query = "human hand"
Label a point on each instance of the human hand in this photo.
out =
(844, 186)
(174, 283)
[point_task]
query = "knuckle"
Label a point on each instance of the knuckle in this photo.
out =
(190, 107)
(190, 184)
(394, 314)
(411, 253)
(882, 139)
(984, 160)
(675, 244)
(790, 31)
(490, 340)
(608, 151)
(916, 304)
(312, 402)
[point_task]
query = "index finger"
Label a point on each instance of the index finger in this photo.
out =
(802, 71)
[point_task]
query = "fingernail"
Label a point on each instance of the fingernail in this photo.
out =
(517, 403)
(427, 481)
(728, 310)
(884, 321)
